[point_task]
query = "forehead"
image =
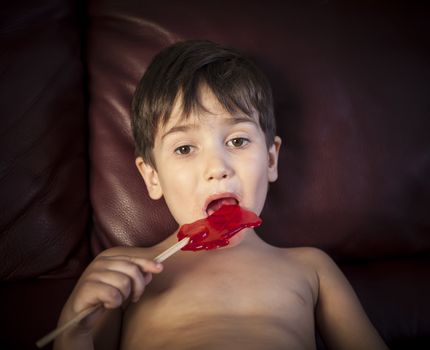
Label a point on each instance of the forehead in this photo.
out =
(207, 106)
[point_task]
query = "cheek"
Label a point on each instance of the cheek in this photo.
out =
(174, 185)
(257, 167)
(255, 177)
(177, 184)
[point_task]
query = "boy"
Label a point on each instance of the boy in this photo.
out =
(203, 123)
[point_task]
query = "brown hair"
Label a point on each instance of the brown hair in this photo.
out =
(182, 68)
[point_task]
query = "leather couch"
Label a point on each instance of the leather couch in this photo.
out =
(351, 86)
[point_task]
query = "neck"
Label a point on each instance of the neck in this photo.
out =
(246, 238)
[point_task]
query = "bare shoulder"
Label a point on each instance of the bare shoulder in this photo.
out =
(337, 307)
(305, 264)
(313, 257)
(320, 262)
(315, 261)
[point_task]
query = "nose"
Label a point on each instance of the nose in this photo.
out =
(217, 167)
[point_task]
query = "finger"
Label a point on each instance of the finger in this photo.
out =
(111, 297)
(148, 278)
(145, 264)
(139, 278)
(96, 292)
(117, 279)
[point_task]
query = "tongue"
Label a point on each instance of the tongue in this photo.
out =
(218, 203)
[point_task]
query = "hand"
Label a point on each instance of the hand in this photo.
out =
(110, 280)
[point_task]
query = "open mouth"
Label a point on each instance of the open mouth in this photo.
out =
(219, 202)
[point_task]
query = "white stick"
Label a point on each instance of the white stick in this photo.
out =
(172, 250)
(57, 331)
(84, 313)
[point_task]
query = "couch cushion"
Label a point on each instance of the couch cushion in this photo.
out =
(44, 207)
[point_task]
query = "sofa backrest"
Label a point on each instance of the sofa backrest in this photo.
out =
(351, 99)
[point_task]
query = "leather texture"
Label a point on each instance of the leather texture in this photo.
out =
(351, 90)
(44, 206)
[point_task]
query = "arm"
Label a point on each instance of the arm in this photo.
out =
(110, 280)
(341, 319)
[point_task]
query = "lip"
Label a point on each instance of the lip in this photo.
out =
(220, 195)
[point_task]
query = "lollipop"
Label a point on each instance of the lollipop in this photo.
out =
(204, 234)
(216, 230)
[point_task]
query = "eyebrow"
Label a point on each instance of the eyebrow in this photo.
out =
(178, 128)
(241, 119)
(186, 127)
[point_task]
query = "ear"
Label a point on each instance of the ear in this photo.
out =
(273, 159)
(150, 176)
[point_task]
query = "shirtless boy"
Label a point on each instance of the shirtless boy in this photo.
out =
(205, 135)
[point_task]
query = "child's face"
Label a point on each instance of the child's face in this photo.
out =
(209, 156)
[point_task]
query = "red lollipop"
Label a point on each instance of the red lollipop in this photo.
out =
(216, 230)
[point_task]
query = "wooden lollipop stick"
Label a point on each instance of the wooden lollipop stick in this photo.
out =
(84, 313)
(57, 331)
(172, 250)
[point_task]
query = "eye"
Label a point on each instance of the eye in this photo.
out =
(183, 150)
(238, 142)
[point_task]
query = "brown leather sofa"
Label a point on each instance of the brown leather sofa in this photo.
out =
(351, 84)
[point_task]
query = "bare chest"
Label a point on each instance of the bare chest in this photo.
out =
(238, 290)
(216, 287)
